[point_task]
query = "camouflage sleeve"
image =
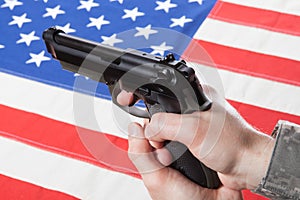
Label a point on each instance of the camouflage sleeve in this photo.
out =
(282, 180)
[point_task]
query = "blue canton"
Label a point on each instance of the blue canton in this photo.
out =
(22, 23)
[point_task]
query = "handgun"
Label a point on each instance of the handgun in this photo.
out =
(163, 83)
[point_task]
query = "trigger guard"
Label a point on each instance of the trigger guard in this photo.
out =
(137, 112)
(131, 109)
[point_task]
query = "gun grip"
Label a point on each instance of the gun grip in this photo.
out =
(187, 164)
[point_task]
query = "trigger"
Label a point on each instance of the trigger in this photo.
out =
(131, 109)
(134, 100)
(136, 111)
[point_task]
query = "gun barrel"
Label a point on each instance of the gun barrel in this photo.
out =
(56, 37)
(80, 55)
(101, 62)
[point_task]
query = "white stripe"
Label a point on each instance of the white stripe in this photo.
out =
(58, 104)
(70, 176)
(252, 90)
(249, 38)
(261, 92)
(284, 6)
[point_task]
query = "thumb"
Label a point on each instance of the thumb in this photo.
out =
(161, 182)
(140, 151)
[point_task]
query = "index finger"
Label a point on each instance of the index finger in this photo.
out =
(125, 98)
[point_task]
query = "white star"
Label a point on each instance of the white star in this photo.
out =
(180, 21)
(37, 58)
(11, 4)
(27, 38)
(120, 1)
(132, 14)
(20, 20)
(67, 28)
(160, 49)
(112, 40)
(45, 1)
(2, 46)
(198, 1)
(165, 5)
(88, 5)
(145, 31)
(98, 22)
(53, 12)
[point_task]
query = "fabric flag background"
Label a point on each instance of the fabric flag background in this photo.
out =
(254, 44)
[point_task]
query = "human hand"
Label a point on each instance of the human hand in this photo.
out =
(219, 138)
(164, 182)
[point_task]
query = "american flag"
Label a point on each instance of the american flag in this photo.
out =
(254, 44)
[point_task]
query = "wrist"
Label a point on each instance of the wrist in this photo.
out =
(256, 158)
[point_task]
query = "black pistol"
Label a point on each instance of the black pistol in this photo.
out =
(163, 83)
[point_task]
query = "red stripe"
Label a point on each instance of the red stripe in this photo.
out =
(68, 140)
(79, 143)
(247, 62)
(248, 195)
(266, 19)
(64, 138)
(15, 189)
(263, 119)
